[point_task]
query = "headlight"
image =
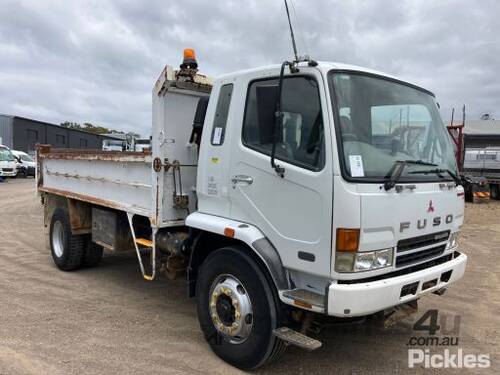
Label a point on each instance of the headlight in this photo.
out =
(383, 258)
(363, 261)
(453, 241)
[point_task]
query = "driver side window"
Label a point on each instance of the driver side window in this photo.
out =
(300, 138)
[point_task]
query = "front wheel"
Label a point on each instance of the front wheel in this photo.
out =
(237, 309)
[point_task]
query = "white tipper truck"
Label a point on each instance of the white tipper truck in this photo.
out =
(283, 192)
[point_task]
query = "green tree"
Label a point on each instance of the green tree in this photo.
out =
(90, 128)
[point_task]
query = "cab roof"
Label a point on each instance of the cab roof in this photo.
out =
(324, 66)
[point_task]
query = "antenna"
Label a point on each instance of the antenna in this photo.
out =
(278, 114)
(291, 32)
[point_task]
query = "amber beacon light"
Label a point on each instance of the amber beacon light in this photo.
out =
(189, 60)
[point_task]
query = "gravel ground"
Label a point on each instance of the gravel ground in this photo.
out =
(108, 320)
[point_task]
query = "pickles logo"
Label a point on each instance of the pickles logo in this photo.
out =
(448, 359)
(422, 351)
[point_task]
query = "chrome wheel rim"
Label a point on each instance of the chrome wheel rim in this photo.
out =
(58, 239)
(231, 309)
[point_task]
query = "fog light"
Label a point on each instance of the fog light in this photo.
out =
(344, 262)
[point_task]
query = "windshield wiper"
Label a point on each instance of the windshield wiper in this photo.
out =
(397, 169)
(439, 172)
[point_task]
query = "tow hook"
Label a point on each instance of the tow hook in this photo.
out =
(400, 312)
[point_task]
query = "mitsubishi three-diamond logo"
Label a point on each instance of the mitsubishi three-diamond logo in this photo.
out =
(431, 207)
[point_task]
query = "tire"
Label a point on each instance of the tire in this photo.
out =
(257, 345)
(67, 249)
(93, 254)
(494, 192)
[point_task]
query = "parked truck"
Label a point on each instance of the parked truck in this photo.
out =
(285, 193)
(479, 168)
(484, 164)
(131, 142)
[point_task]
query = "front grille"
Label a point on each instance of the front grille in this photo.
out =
(7, 169)
(403, 260)
(421, 241)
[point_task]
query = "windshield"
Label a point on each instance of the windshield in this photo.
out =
(6, 155)
(25, 157)
(380, 121)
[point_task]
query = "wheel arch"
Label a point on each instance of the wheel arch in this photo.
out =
(213, 232)
(80, 213)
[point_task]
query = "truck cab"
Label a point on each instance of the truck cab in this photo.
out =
(342, 236)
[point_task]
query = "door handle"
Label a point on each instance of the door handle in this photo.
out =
(241, 178)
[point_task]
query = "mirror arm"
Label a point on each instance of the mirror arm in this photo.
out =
(278, 119)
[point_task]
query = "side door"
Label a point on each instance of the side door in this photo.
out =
(213, 167)
(293, 211)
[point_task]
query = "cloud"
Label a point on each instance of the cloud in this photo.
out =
(97, 61)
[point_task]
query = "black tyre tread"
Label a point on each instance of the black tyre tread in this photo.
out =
(77, 245)
(278, 351)
(93, 255)
(278, 345)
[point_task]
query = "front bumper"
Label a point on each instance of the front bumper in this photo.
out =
(350, 300)
(12, 173)
(28, 171)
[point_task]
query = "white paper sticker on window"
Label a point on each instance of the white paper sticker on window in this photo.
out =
(217, 136)
(356, 162)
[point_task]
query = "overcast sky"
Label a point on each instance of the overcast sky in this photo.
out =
(96, 61)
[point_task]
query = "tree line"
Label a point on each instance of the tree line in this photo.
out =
(90, 128)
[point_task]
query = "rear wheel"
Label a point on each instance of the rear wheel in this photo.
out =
(93, 254)
(237, 309)
(67, 249)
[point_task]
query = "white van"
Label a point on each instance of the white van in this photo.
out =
(26, 165)
(8, 165)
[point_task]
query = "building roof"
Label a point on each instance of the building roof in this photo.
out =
(118, 136)
(58, 126)
(482, 127)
